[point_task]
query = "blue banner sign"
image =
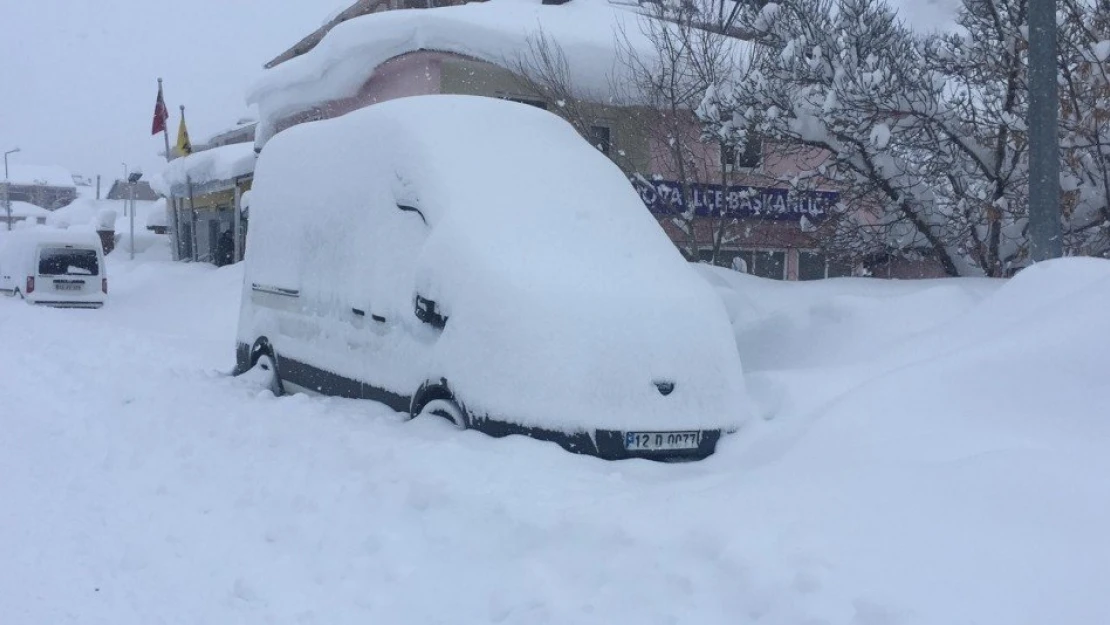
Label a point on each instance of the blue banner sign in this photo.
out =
(664, 197)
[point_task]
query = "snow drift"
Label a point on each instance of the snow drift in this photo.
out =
(887, 484)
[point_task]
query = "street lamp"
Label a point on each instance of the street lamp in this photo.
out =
(8, 186)
(125, 171)
(132, 179)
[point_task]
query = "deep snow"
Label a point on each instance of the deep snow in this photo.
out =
(929, 452)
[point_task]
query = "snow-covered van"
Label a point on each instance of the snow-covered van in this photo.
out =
(476, 259)
(50, 267)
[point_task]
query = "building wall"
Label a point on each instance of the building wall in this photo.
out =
(629, 145)
(908, 269)
(426, 73)
(416, 73)
(50, 198)
(638, 147)
(200, 223)
(120, 191)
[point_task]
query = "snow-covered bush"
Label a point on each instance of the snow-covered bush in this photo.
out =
(925, 134)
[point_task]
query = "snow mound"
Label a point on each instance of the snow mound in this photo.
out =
(966, 486)
(25, 209)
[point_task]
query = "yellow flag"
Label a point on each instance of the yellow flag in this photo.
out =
(184, 147)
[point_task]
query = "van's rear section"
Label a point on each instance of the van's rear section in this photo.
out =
(67, 276)
(55, 268)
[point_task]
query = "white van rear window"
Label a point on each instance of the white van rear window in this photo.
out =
(65, 261)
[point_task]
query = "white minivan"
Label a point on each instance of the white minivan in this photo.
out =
(476, 259)
(51, 267)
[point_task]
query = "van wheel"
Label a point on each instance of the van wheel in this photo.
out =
(447, 409)
(434, 398)
(264, 368)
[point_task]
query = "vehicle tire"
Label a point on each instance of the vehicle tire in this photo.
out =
(264, 367)
(446, 409)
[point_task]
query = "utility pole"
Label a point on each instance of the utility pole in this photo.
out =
(8, 186)
(132, 180)
(1045, 235)
(126, 172)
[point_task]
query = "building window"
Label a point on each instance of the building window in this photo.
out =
(601, 137)
(816, 266)
(747, 156)
(17, 194)
(763, 263)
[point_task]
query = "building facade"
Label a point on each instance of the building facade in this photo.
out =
(46, 187)
(727, 209)
(205, 211)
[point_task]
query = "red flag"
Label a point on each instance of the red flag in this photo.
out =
(161, 114)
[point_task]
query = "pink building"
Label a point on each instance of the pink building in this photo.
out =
(726, 208)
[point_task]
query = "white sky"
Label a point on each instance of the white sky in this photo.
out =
(928, 15)
(78, 78)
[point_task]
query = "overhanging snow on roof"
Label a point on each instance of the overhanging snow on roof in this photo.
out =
(593, 35)
(208, 171)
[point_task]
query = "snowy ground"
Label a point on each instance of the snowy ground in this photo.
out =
(931, 452)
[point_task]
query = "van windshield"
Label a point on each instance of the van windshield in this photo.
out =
(65, 261)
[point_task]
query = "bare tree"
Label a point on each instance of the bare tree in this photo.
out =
(668, 61)
(683, 61)
(926, 135)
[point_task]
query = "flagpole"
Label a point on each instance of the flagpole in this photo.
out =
(172, 201)
(165, 128)
(182, 125)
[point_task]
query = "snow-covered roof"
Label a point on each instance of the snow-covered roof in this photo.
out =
(25, 209)
(241, 124)
(206, 170)
(589, 32)
(40, 175)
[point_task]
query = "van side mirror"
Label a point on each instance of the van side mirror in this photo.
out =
(427, 312)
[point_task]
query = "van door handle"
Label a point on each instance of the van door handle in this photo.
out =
(359, 312)
(378, 318)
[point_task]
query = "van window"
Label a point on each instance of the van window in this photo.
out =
(64, 261)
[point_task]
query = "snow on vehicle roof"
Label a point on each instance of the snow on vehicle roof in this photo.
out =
(221, 164)
(48, 235)
(17, 246)
(565, 297)
(40, 175)
(496, 31)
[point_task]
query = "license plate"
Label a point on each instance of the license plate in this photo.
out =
(661, 441)
(67, 286)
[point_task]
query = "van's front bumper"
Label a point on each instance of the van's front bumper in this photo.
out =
(605, 444)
